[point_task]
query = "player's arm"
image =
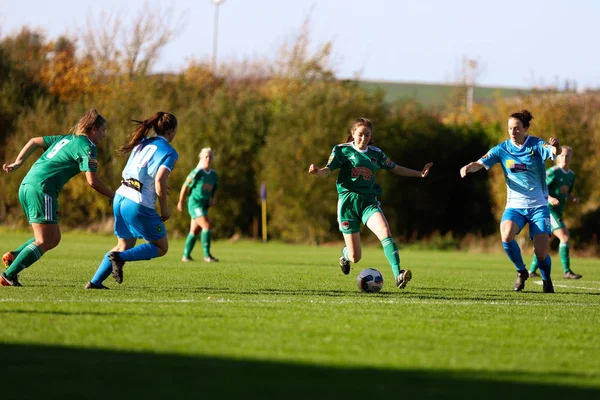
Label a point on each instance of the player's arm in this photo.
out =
(413, 173)
(320, 172)
(555, 143)
(26, 151)
(98, 185)
(182, 194)
(160, 182)
(470, 168)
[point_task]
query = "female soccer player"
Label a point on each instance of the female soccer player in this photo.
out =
(64, 157)
(144, 179)
(560, 180)
(202, 183)
(358, 193)
(522, 159)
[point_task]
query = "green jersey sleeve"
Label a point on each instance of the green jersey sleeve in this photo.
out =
(549, 176)
(88, 160)
(385, 162)
(335, 159)
(190, 181)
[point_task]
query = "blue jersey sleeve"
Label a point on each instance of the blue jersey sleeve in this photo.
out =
(170, 160)
(490, 158)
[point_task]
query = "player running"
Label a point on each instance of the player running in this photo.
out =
(358, 192)
(560, 180)
(144, 179)
(64, 157)
(522, 159)
(202, 183)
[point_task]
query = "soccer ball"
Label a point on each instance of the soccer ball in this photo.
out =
(369, 280)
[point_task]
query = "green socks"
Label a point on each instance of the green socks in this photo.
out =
(391, 253)
(205, 239)
(190, 241)
(29, 254)
(563, 252)
(21, 247)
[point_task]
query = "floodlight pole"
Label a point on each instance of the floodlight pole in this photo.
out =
(217, 3)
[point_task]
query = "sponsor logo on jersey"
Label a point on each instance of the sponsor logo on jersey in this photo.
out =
(373, 160)
(345, 224)
(159, 229)
(207, 186)
(515, 167)
(365, 172)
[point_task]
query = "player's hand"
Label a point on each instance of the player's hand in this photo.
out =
(553, 201)
(463, 171)
(313, 169)
(554, 142)
(11, 167)
(165, 214)
(575, 199)
(426, 169)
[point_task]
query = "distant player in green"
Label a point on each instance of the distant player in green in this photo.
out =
(560, 180)
(358, 192)
(202, 184)
(64, 157)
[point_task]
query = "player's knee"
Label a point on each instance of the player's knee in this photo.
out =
(507, 237)
(162, 250)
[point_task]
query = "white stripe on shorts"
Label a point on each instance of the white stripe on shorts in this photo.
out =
(47, 207)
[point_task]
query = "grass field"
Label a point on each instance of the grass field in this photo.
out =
(281, 321)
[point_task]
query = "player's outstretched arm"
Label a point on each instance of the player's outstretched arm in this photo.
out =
(26, 151)
(98, 185)
(413, 173)
(320, 172)
(470, 168)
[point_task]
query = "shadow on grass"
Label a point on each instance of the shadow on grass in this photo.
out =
(32, 371)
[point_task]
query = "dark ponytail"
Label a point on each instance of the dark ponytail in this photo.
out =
(161, 122)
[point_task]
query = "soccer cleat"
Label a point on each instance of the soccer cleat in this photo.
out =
(6, 281)
(8, 258)
(547, 286)
(91, 285)
(403, 277)
(521, 278)
(344, 264)
(210, 258)
(117, 266)
(186, 259)
(571, 275)
(534, 275)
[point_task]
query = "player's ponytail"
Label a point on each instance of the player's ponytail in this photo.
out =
(161, 122)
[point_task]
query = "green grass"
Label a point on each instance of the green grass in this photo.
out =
(280, 321)
(437, 94)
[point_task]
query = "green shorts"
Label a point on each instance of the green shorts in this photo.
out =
(39, 207)
(354, 208)
(197, 210)
(556, 221)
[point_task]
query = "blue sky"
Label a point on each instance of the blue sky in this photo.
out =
(517, 43)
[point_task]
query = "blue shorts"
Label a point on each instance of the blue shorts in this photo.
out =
(133, 220)
(538, 219)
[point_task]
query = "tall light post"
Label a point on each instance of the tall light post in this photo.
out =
(217, 3)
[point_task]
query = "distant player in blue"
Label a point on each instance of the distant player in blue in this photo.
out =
(144, 179)
(522, 158)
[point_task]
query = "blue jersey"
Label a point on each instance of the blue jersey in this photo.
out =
(524, 170)
(142, 167)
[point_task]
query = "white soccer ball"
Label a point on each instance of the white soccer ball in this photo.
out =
(369, 280)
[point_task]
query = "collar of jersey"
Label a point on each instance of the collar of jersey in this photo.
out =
(357, 149)
(520, 146)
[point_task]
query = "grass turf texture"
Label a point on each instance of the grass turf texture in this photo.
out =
(281, 321)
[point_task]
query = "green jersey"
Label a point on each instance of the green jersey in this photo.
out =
(357, 168)
(65, 157)
(560, 185)
(202, 184)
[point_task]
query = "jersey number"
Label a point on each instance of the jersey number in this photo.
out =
(62, 143)
(141, 159)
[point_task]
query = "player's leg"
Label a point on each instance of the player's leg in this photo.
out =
(378, 224)
(512, 222)
(540, 231)
(191, 239)
(105, 268)
(205, 236)
(348, 217)
(10, 256)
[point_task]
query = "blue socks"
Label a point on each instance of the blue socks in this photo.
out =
(142, 252)
(103, 271)
(514, 254)
(545, 267)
